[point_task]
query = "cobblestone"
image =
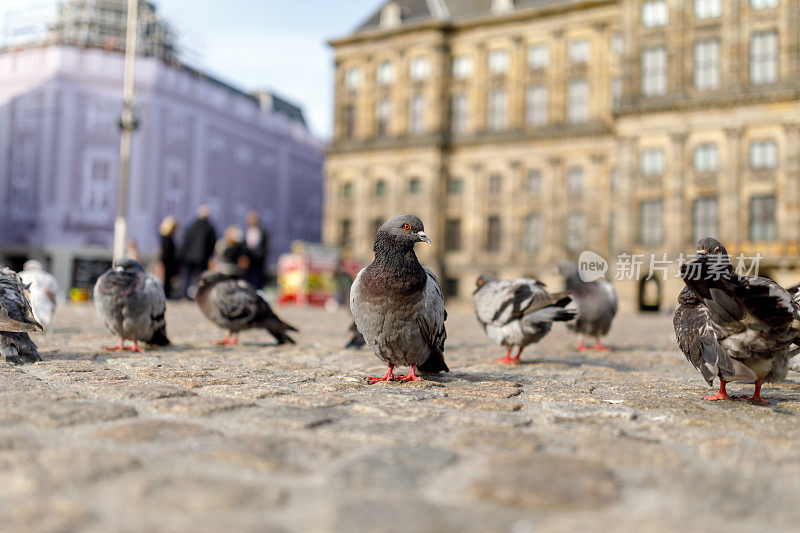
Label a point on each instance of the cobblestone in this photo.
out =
(263, 438)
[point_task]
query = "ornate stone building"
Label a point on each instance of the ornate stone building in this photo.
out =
(524, 132)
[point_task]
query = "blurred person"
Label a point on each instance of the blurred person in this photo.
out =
(43, 292)
(168, 254)
(131, 249)
(230, 253)
(256, 240)
(197, 248)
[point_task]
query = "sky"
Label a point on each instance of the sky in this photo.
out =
(276, 44)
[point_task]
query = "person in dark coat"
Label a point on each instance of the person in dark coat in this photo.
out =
(256, 240)
(197, 248)
(230, 254)
(168, 254)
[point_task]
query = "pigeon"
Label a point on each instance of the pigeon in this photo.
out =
(597, 305)
(356, 338)
(43, 289)
(132, 305)
(235, 305)
(398, 305)
(16, 320)
(518, 312)
(733, 327)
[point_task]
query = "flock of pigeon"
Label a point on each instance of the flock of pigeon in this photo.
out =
(730, 327)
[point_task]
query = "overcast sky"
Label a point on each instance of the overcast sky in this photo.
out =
(278, 44)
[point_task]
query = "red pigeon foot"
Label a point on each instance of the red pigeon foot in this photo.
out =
(388, 377)
(721, 395)
(410, 376)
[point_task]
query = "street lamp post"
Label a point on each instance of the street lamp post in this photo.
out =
(128, 126)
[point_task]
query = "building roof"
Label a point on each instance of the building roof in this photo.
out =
(417, 11)
(270, 101)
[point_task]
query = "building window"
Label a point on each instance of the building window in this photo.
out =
(536, 105)
(654, 71)
(763, 57)
(579, 51)
(455, 186)
(380, 188)
(705, 158)
(704, 218)
(655, 13)
(532, 234)
(383, 113)
(452, 235)
(616, 91)
(450, 287)
(704, 9)
(575, 232)
(498, 106)
(763, 4)
(651, 227)
(495, 184)
(762, 218)
(385, 73)
(414, 186)
(538, 56)
(651, 162)
(461, 67)
(352, 78)
(575, 180)
(763, 154)
(493, 234)
(617, 44)
(419, 68)
(344, 232)
(533, 181)
(459, 113)
(498, 62)
(416, 114)
(577, 101)
(706, 64)
(347, 190)
(350, 121)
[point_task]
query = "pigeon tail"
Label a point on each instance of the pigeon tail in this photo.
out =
(159, 337)
(277, 328)
(434, 364)
(356, 340)
(18, 349)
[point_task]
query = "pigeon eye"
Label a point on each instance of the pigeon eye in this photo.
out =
(716, 250)
(406, 227)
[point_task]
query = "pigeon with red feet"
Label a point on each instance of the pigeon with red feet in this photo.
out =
(235, 305)
(398, 305)
(131, 304)
(16, 320)
(518, 312)
(752, 318)
(596, 302)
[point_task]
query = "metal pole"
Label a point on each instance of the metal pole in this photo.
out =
(128, 125)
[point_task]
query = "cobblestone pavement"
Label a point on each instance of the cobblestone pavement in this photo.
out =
(264, 438)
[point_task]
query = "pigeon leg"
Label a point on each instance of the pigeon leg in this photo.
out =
(135, 348)
(388, 377)
(581, 347)
(599, 346)
(235, 339)
(721, 395)
(411, 376)
(507, 359)
(516, 358)
(756, 397)
(117, 347)
(226, 340)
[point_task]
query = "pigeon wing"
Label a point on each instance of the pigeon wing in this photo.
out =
(431, 321)
(16, 314)
(698, 341)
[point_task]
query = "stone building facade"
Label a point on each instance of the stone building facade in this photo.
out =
(524, 132)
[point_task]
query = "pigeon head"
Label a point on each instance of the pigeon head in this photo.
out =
(210, 277)
(567, 269)
(400, 232)
(710, 246)
(129, 266)
(482, 280)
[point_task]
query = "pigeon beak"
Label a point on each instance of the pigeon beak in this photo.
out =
(701, 252)
(423, 237)
(119, 269)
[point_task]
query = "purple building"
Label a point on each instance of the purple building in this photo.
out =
(199, 141)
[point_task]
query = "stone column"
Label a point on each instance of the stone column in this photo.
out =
(472, 224)
(513, 220)
(788, 186)
(480, 93)
(557, 88)
(516, 86)
(625, 197)
(732, 227)
(676, 230)
(597, 205)
(555, 216)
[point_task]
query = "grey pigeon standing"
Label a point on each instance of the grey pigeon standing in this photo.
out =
(397, 303)
(131, 303)
(16, 320)
(517, 312)
(733, 327)
(233, 304)
(596, 302)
